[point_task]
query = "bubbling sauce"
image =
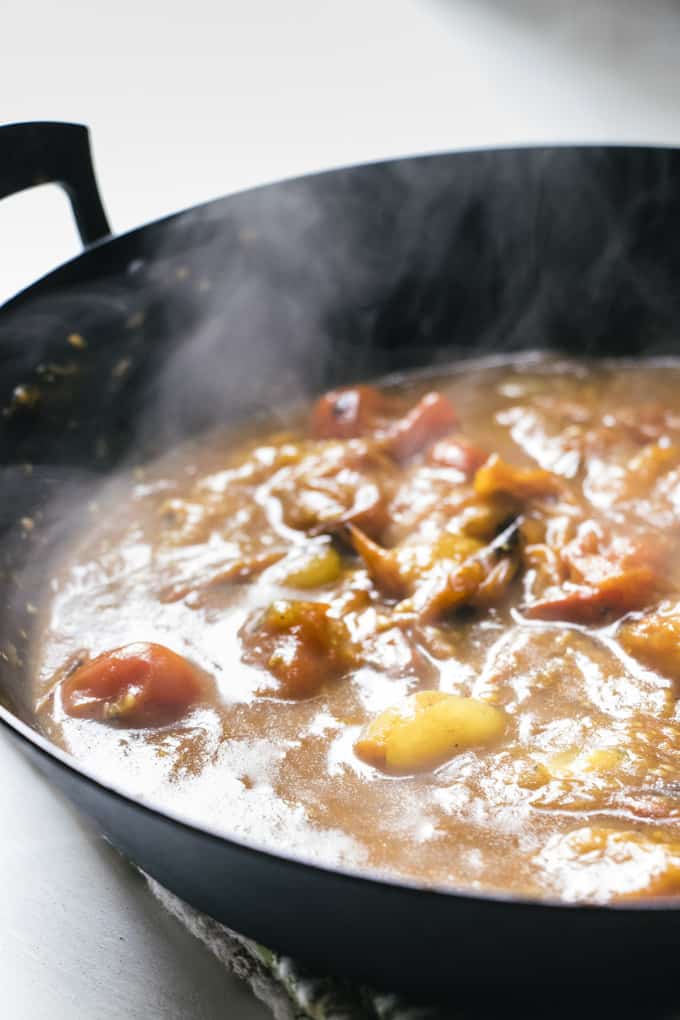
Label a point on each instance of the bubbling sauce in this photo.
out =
(430, 630)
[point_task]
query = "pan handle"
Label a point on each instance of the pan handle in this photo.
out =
(46, 152)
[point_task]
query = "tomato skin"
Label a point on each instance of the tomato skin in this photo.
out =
(458, 452)
(497, 476)
(141, 684)
(300, 645)
(348, 413)
(431, 418)
(365, 411)
(619, 593)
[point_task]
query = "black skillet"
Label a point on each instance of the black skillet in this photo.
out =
(227, 308)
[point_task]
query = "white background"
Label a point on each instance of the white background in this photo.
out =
(189, 101)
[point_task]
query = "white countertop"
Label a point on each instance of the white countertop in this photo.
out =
(188, 101)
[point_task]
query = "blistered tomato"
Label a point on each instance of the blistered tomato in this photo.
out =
(141, 684)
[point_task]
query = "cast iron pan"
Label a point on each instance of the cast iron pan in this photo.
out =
(226, 308)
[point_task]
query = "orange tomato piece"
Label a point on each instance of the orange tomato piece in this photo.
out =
(497, 476)
(655, 640)
(141, 684)
(300, 644)
(382, 564)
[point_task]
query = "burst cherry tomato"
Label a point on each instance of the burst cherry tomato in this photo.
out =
(137, 685)
(347, 413)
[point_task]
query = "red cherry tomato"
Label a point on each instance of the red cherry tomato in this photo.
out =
(348, 413)
(137, 685)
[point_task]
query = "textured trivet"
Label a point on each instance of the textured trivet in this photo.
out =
(292, 993)
(286, 989)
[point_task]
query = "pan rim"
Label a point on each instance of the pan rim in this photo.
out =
(25, 293)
